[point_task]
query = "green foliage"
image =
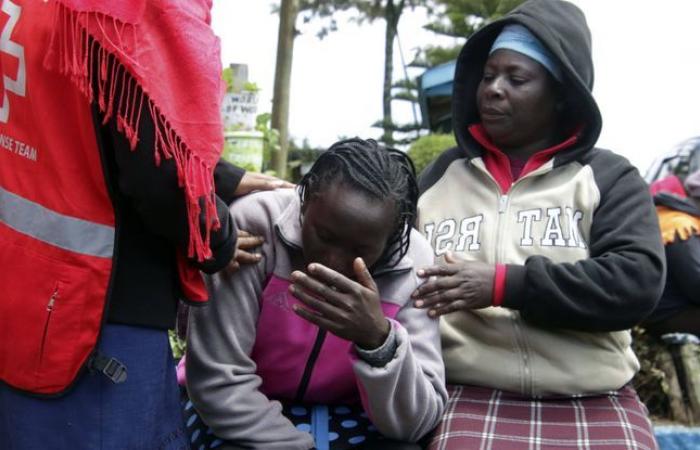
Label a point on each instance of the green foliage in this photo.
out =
(407, 95)
(405, 128)
(409, 84)
(227, 76)
(251, 87)
(426, 148)
(248, 167)
(432, 56)
(366, 11)
(301, 158)
(271, 138)
(177, 345)
(459, 19)
(462, 18)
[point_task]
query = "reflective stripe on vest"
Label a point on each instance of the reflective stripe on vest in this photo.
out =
(69, 233)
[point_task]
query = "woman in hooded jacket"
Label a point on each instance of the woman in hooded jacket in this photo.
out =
(549, 249)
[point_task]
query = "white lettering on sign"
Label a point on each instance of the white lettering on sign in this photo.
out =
(239, 110)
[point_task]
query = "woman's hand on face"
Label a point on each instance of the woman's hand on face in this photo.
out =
(244, 243)
(457, 285)
(349, 309)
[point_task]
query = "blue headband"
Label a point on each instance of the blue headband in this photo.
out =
(519, 39)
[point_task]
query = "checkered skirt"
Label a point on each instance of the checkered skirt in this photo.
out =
(490, 419)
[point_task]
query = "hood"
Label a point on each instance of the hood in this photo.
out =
(562, 28)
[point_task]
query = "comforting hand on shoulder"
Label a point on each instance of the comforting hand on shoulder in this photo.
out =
(253, 181)
(456, 285)
(349, 309)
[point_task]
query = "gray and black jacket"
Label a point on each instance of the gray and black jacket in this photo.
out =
(578, 235)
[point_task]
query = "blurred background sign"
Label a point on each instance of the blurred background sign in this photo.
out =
(244, 149)
(239, 110)
(243, 145)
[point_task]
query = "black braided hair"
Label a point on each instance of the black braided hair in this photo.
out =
(380, 172)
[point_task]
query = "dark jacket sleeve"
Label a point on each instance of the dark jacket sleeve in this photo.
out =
(227, 177)
(622, 279)
(683, 259)
(155, 195)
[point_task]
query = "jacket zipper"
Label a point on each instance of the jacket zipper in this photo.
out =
(525, 381)
(310, 363)
(49, 311)
(503, 202)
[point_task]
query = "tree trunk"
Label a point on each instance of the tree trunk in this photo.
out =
(283, 74)
(392, 15)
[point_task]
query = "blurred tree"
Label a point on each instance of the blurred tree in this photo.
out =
(288, 12)
(390, 12)
(459, 19)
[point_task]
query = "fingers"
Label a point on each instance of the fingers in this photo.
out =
(318, 305)
(437, 270)
(434, 285)
(440, 297)
(442, 309)
(244, 257)
(279, 184)
(451, 258)
(273, 182)
(363, 275)
(319, 291)
(247, 241)
(314, 318)
(233, 266)
(330, 277)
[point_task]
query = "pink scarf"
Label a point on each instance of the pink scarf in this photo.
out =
(166, 50)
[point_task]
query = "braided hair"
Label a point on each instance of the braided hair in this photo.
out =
(380, 172)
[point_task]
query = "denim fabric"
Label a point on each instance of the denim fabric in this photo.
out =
(143, 413)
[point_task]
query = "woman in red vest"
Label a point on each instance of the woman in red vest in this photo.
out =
(110, 133)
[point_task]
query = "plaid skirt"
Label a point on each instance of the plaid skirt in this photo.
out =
(490, 419)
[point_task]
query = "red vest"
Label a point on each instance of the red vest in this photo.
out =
(56, 218)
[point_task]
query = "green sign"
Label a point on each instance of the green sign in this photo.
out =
(244, 149)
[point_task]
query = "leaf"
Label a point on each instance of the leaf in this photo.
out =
(405, 96)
